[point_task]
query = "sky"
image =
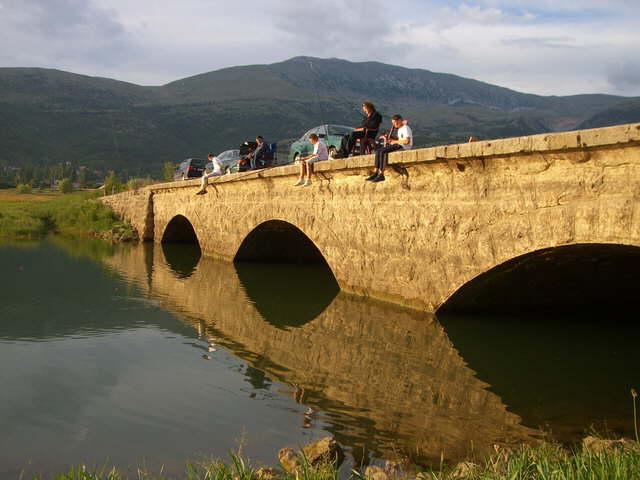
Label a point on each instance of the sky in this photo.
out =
(547, 47)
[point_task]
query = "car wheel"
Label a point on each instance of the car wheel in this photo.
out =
(332, 152)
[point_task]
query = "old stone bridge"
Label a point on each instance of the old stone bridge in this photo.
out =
(528, 222)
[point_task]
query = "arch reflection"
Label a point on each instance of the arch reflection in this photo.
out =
(181, 258)
(306, 290)
(387, 380)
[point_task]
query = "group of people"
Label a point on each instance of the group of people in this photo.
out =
(252, 159)
(400, 137)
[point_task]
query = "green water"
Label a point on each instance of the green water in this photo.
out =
(104, 359)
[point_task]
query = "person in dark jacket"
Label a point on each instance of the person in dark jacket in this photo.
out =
(260, 150)
(369, 127)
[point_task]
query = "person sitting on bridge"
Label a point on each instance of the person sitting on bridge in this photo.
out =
(400, 137)
(320, 152)
(217, 171)
(368, 127)
(259, 151)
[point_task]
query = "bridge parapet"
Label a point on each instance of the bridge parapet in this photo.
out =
(444, 215)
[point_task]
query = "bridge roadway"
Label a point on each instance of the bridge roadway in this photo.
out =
(457, 223)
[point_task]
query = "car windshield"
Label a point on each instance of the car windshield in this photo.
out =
(339, 130)
(228, 155)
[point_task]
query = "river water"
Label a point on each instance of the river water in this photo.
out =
(152, 355)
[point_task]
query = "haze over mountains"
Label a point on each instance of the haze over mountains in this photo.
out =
(50, 116)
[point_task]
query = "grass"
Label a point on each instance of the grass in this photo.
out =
(546, 461)
(24, 216)
(208, 469)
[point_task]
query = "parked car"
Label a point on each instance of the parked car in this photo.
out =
(189, 168)
(228, 159)
(330, 134)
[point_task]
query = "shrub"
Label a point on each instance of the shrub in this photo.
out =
(23, 188)
(65, 185)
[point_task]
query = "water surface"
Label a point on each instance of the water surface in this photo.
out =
(105, 359)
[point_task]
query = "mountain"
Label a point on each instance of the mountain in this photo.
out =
(625, 112)
(50, 116)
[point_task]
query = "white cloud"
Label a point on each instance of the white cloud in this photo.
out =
(545, 47)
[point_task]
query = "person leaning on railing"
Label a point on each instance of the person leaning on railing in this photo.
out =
(400, 137)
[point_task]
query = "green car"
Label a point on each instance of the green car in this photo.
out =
(330, 134)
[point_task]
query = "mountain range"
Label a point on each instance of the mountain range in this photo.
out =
(50, 116)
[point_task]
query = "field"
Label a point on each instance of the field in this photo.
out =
(32, 215)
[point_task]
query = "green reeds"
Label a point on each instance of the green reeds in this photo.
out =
(27, 217)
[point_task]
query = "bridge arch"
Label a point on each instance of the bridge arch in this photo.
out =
(278, 241)
(181, 247)
(577, 277)
(179, 230)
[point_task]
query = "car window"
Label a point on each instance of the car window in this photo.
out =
(305, 137)
(197, 162)
(228, 155)
(339, 130)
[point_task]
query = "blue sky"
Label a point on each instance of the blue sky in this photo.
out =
(544, 47)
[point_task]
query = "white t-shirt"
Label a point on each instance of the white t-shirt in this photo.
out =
(320, 150)
(217, 166)
(405, 132)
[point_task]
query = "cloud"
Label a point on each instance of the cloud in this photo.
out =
(626, 77)
(332, 27)
(61, 34)
(542, 46)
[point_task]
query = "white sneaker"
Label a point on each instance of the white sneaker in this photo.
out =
(307, 182)
(298, 183)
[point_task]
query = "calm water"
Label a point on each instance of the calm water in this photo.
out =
(104, 359)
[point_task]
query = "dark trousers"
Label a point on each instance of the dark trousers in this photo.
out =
(382, 154)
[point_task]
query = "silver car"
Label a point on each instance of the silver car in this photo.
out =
(228, 159)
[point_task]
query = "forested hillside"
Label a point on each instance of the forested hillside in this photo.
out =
(54, 118)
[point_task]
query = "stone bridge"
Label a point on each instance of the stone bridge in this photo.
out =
(526, 222)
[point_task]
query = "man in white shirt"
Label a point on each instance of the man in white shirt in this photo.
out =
(400, 137)
(306, 163)
(217, 171)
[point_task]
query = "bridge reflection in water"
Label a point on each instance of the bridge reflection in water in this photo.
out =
(386, 379)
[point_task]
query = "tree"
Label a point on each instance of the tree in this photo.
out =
(111, 183)
(169, 168)
(82, 176)
(65, 185)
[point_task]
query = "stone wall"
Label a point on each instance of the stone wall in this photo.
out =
(444, 215)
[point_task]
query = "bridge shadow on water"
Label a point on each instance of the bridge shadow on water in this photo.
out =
(306, 290)
(383, 379)
(390, 380)
(555, 335)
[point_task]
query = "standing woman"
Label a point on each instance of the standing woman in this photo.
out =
(369, 126)
(400, 137)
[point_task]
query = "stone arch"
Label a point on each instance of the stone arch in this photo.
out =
(319, 233)
(278, 241)
(307, 283)
(579, 276)
(181, 247)
(179, 230)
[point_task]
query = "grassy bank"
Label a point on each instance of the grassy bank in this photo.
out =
(544, 462)
(34, 215)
